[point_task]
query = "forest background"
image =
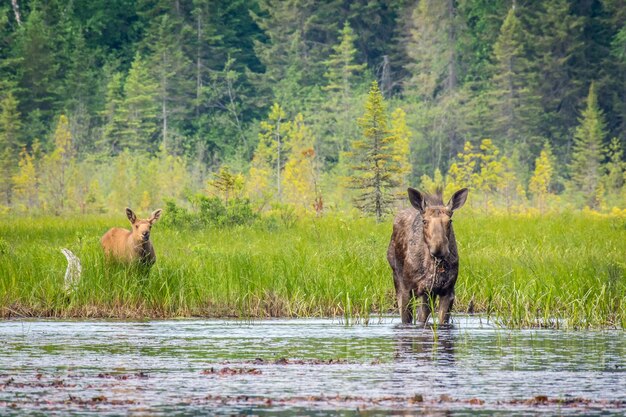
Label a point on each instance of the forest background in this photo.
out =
(234, 108)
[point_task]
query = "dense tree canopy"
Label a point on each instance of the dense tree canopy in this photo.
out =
(137, 81)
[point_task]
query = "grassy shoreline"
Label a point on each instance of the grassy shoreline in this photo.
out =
(555, 271)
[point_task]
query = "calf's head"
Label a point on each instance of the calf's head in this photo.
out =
(437, 219)
(141, 227)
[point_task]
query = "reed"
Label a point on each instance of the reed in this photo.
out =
(559, 271)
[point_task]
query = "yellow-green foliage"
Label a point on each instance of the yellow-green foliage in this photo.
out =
(300, 181)
(541, 180)
(264, 180)
(58, 168)
(25, 182)
(226, 185)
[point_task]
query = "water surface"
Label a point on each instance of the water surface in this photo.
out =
(307, 366)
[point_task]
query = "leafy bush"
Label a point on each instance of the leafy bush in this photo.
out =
(174, 215)
(210, 211)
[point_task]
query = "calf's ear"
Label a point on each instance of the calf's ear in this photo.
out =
(458, 199)
(131, 215)
(156, 214)
(417, 199)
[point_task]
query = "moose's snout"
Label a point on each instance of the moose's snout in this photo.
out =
(440, 252)
(145, 236)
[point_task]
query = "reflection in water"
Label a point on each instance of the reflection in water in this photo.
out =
(426, 344)
(160, 367)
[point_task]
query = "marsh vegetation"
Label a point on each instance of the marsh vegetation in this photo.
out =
(564, 271)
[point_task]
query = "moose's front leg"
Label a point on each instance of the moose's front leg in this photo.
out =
(403, 296)
(424, 309)
(445, 305)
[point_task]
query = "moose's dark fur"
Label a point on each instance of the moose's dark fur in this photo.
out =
(423, 254)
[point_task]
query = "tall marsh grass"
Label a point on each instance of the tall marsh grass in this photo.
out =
(562, 271)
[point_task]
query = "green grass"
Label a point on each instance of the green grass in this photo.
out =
(566, 271)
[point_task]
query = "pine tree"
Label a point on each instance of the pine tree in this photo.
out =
(376, 173)
(557, 45)
(115, 117)
(480, 22)
(341, 65)
(9, 62)
(515, 104)
(81, 93)
(587, 154)
(10, 129)
(38, 70)
(342, 72)
(141, 108)
(295, 46)
(541, 180)
(171, 69)
(432, 47)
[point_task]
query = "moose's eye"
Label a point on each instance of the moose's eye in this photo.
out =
(425, 221)
(136, 226)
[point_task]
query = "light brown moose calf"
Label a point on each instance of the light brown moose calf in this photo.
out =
(133, 245)
(423, 254)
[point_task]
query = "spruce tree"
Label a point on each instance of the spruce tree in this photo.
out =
(171, 68)
(39, 77)
(115, 117)
(375, 171)
(514, 102)
(342, 72)
(556, 47)
(141, 108)
(341, 64)
(432, 47)
(294, 47)
(587, 154)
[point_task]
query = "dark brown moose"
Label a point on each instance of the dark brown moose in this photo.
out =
(423, 254)
(133, 245)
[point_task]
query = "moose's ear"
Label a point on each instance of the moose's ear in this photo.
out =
(131, 215)
(417, 199)
(458, 199)
(155, 215)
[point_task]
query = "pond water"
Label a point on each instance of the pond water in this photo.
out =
(308, 367)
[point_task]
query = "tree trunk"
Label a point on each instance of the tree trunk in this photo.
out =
(452, 74)
(278, 159)
(16, 11)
